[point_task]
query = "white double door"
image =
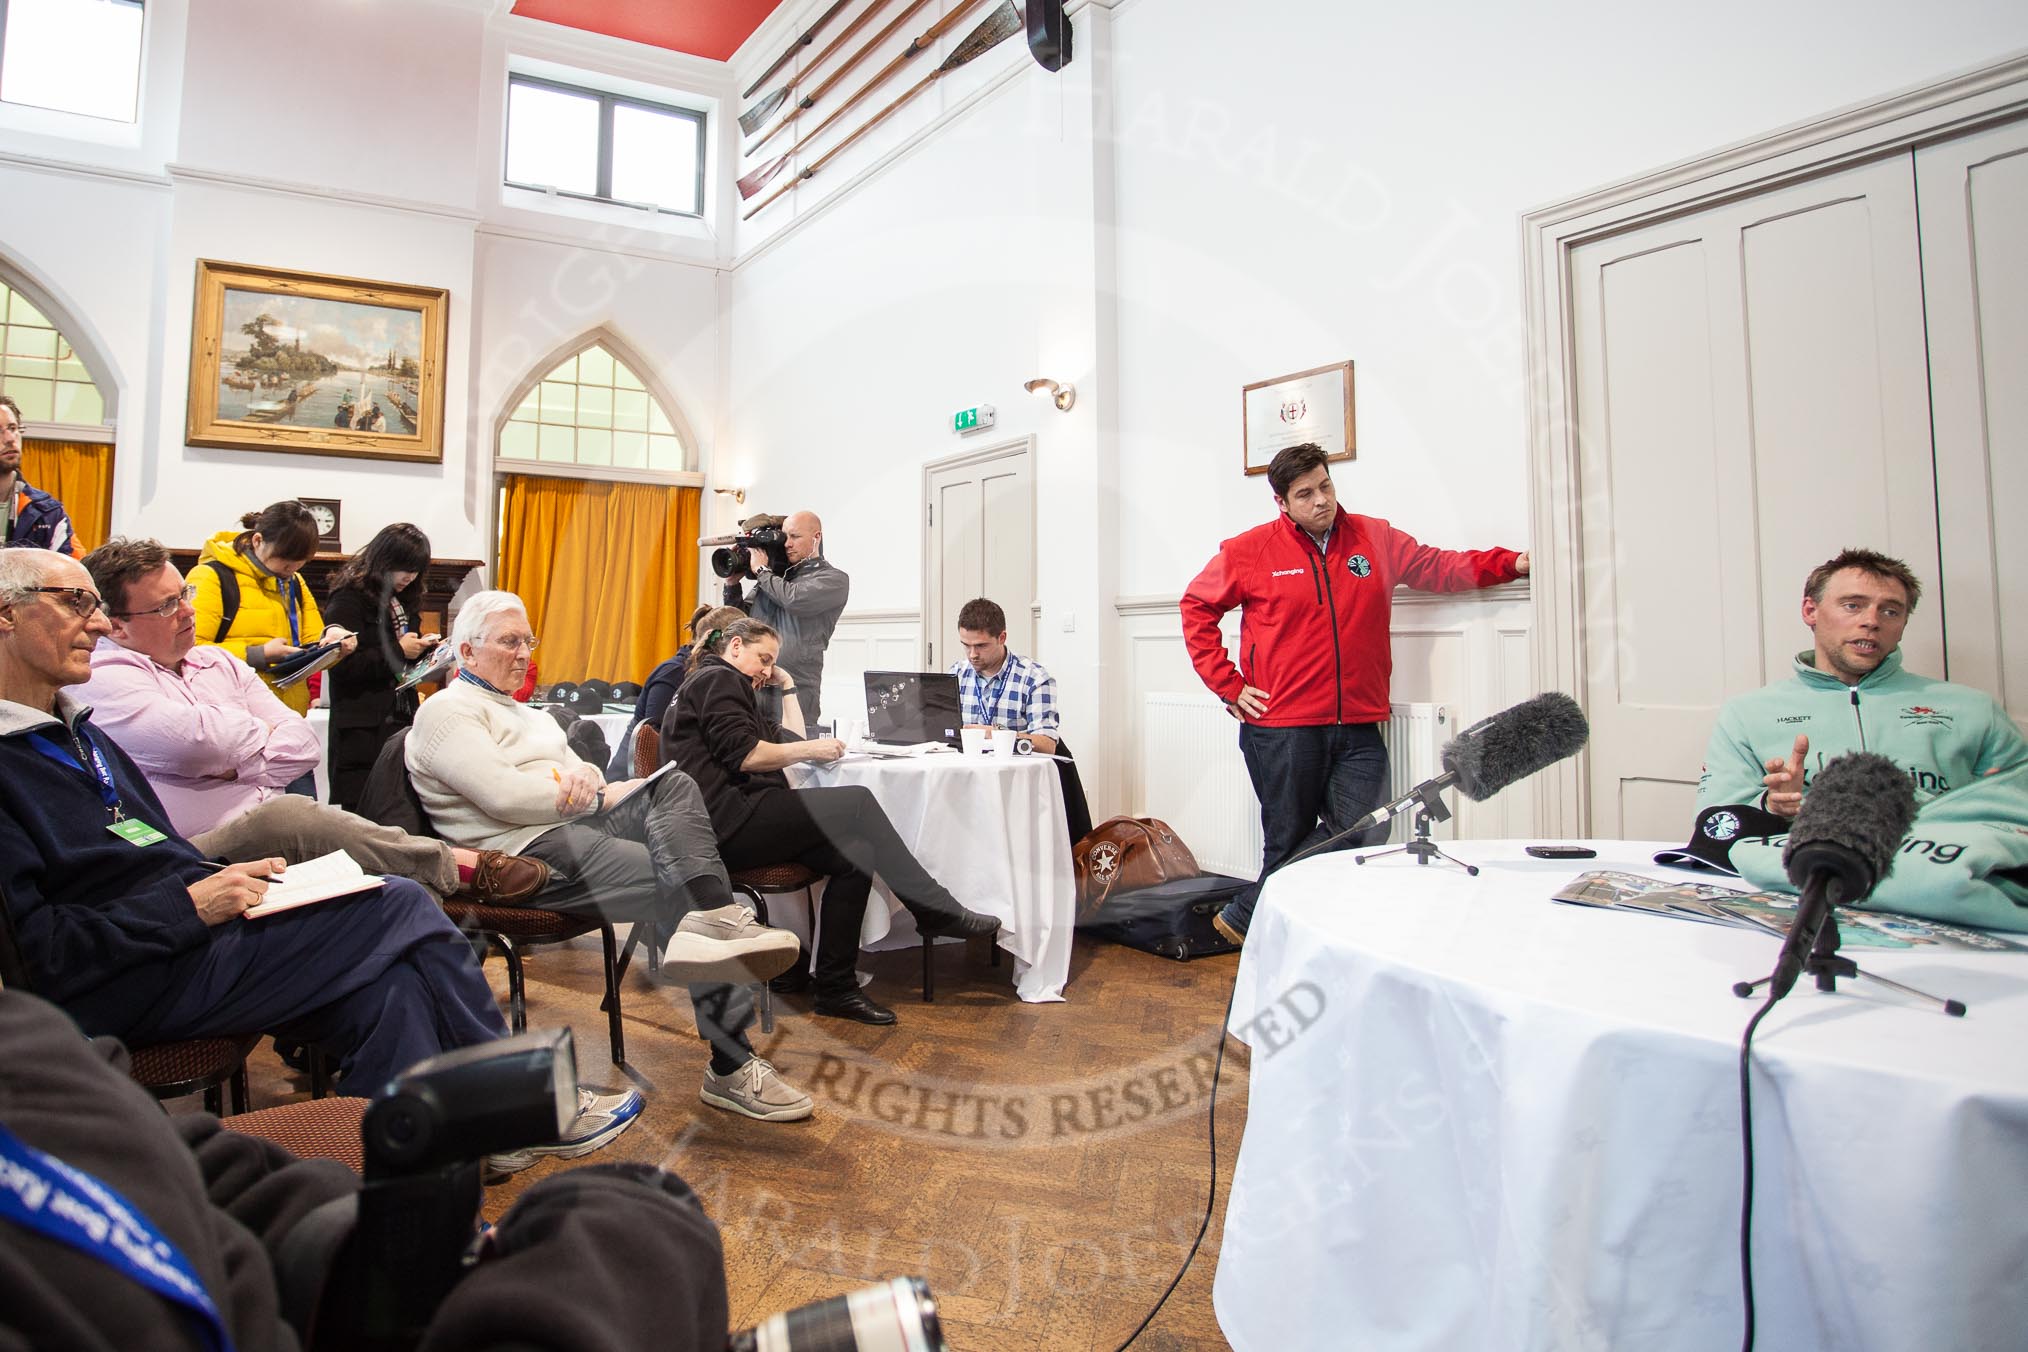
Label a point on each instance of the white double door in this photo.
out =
(1837, 362)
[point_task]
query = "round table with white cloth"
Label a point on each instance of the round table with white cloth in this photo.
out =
(992, 830)
(1479, 1118)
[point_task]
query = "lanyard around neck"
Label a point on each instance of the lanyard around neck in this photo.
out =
(65, 1204)
(101, 772)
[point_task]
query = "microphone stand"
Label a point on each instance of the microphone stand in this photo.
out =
(1823, 961)
(1429, 808)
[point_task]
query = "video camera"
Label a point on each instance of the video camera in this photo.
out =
(756, 532)
(366, 1272)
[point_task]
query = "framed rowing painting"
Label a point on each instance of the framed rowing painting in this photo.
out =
(1313, 405)
(305, 363)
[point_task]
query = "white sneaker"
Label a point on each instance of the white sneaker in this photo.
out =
(726, 945)
(600, 1119)
(756, 1090)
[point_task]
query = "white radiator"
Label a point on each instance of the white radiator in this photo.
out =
(1416, 734)
(1193, 777)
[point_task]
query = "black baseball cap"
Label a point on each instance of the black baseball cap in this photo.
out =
(1711, 841)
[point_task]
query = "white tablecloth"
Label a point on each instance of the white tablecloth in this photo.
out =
(1482, 1119)
(992, 830)
(320, 723)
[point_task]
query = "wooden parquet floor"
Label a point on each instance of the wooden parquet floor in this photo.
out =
(1044, 1167)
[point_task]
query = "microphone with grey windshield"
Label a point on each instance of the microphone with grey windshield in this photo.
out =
(1484, 759)
(1496, 752)
(1853, 819)
(1843, 843)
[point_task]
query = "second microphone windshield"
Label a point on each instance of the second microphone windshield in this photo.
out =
(1513, 744)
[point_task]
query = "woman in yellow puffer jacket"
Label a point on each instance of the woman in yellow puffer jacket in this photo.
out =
(276, 616)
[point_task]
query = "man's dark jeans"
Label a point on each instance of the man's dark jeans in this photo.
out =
(1312, 783)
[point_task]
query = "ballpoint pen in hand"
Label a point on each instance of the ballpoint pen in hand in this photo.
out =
(264, 877)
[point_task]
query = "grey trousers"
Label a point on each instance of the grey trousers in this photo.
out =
(296, 828)
(650, 861)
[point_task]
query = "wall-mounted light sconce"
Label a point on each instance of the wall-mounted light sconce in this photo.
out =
(1062, 395)
(738, 495)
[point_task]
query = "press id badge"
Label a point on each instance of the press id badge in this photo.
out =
(136, 832)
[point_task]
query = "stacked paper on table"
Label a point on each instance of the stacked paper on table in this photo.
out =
(884, 749)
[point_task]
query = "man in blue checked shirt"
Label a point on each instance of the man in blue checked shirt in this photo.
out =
(1003, 689)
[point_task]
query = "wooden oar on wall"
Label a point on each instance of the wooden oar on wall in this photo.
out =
(758, 179)
(803, 104)
(752, 118)
(998, 26)
(809, 35)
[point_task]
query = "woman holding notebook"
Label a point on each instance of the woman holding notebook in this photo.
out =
(251, 602)
(374, 595)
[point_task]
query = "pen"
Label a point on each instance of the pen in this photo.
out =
(264, 877)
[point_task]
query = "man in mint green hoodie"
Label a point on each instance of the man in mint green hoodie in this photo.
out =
(1850, 693)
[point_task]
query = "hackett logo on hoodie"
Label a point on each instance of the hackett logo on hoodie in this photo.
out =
(1922, 716)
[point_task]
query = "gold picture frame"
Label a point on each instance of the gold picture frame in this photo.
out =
(304, 363)
(1313, 405)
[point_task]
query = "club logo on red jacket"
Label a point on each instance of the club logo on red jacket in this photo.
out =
(1360, 565)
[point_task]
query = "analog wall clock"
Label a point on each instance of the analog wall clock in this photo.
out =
(325, 510)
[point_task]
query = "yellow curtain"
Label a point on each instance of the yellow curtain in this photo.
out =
(80, 474)
(608, 572)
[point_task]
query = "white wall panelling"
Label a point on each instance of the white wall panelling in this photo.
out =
(1467, 651)
(867, 640)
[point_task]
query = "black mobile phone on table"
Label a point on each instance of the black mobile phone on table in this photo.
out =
(1561, 851)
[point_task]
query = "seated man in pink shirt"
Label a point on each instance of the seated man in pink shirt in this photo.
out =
(220, 749)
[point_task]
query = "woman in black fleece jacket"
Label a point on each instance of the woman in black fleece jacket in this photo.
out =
(717, 735)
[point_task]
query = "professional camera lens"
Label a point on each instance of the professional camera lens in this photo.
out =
(398, 1129)
(895, 1316)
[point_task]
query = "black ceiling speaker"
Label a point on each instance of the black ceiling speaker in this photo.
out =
(1048, 34)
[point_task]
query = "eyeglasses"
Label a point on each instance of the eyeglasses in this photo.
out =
(166, 610)
(515, 645)
(82, 603)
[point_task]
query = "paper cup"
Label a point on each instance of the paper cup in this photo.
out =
(975, 741)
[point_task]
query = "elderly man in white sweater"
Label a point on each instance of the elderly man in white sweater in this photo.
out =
(495, 774)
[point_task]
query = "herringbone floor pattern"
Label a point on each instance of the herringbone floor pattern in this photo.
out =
(1043, 1166)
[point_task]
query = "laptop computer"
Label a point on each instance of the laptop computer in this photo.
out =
(905, 708)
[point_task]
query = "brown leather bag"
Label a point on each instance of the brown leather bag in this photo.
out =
(1124, 853)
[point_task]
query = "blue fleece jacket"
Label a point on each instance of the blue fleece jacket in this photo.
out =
(40, 521)
(96, 918)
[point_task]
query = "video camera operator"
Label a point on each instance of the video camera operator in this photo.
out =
(799, 595)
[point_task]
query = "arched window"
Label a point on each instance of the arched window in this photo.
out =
(67, 408)
(598, 509)
(41, 370)
(591, 409)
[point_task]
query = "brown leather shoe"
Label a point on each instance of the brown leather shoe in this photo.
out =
(505, 879)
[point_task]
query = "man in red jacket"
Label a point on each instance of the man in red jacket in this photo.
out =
(1314, 589)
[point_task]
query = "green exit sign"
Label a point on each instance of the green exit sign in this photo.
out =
(973, 419)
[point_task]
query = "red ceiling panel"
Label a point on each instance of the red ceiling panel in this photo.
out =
(708, 28)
